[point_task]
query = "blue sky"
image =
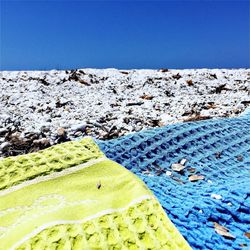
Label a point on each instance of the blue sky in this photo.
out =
(124, 34)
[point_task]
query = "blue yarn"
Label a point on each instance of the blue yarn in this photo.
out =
(190, 205)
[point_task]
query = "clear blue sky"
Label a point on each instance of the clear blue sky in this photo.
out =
(124, 34)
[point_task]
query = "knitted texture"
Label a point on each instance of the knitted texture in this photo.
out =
(142, 226)
(218, 150)
(14, 170)
(71, 196)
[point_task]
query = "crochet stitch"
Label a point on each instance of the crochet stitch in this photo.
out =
(71, 196)
(217, 149)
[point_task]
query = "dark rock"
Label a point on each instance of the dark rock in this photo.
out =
(164, 70)
(177, 76)
(134, 103)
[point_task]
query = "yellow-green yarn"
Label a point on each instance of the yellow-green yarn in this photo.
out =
(14, 170)
(83, 201)
(142, 226)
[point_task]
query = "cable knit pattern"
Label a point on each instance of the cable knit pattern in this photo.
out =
(217, 149)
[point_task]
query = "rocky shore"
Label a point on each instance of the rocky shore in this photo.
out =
(42, 108)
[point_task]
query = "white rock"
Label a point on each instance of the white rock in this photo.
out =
(239, 106)
(36, 103)
(4, 145)
(206, 112)
(79, 127)
(166, 119)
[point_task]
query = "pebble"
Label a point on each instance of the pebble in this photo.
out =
(4, 145)
(79, 127)
(205, 113)
(3, 131)
(43, 142)
(239, 106)
(166, 119)
(112, 104)
(61, 131)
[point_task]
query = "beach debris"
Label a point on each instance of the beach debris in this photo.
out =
(239, 158)
(177, 179)
(193, 178)
(61, 131)
(177, 167)
(168, 173)
(36, 103)
(62, 102)
(84, 82)
(197, 117)
(183, 162)
(146, 97)
(124, 72)
(189, 82)
(223, 231)
(4, 146)
(147, 172)
(98, 185)
(79, 127)
(164, 70)
(243, 245)
(177, 76)
(61, 135)
(42, 143)
(134, 103)
(211, 105)
(213, 76)
(218, 155)
(166, 119)
(220, 88)
(159, 170)
(247, 234)
(191, 170)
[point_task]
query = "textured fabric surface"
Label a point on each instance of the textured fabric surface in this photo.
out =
(217, 149)
(71, 196)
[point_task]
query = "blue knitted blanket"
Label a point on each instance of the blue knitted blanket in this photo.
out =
(218, 152)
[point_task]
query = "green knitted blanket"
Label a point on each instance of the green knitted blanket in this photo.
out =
(71, 196)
